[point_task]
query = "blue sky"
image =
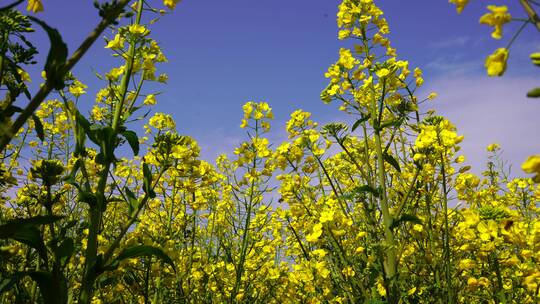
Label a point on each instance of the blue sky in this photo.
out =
(224, 53)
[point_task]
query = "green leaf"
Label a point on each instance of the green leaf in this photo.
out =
(367, 188)
(7, 283)
(26, 232)
(65, 250)
(68, 226)
(392, 161)
(87, 197)
(133, 140)
(357, 123)
(56, 59)
(406, 218)
(82, 121)
(133, 202)
(82, 127)
(147, 182)
(52, 289)
(534, 93)
(144, 250)
(38, 127)
(36, 220)
(392, 123)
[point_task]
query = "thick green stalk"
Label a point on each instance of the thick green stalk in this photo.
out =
(531, 13)
(96, 212)
(391, 260)
(243, 250)
(449, 288)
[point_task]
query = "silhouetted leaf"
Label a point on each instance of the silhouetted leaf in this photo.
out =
(147, 182)
(133, 140)
(359, 121)
(406, 218)
(39, 127)
(56, 59)
(392, 161)
(26, 232)
(144, 250)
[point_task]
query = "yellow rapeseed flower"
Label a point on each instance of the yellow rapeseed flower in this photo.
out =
(382, 72)
(487, 230)
(327, 216)
(532, 165)
(34, 6)
(150, 99)
(497, 17)
(493, 147)
(171, 4)
(496, 63)
(460, 4)
(77, 88)
(137, 29)
(116, 44)
(314, 236)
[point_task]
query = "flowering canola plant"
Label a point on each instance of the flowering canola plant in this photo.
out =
(378, 211)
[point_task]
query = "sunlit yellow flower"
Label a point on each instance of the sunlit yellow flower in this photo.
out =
(326, 216)
(493, 147)
(532, 165)
(77, 88)
(382, 73)
(24, 75)
(348, 271)
(487, 230)
(138, 29)
(460, 4)
(150, 99)
(171, 4)
(116, 44)
(496, 63)
(34, 6)
(497, 17)
(315, 234)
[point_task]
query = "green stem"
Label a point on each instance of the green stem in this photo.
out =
(243, 250)
(531, 13)
(449, 288)
(96, 212)
(391, 261)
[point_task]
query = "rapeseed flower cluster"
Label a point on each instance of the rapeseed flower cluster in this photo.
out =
(380, 210)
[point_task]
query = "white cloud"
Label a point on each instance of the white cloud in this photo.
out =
(450, 43)
(489, 110)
